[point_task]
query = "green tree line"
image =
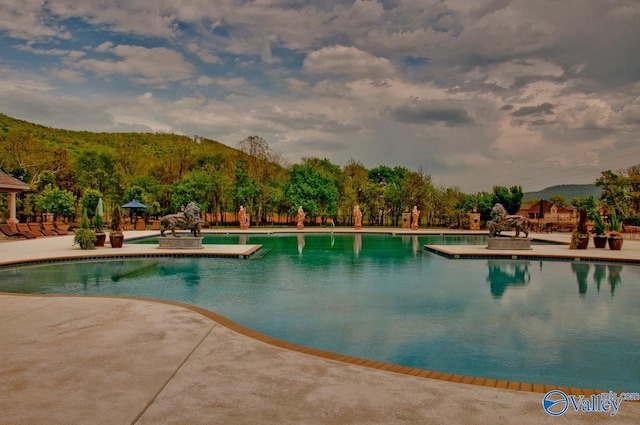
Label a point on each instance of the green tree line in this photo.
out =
(69, 171)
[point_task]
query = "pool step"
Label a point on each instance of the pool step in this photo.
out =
(259, 253)
(128, 273)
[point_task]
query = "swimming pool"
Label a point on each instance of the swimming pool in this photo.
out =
(384, 298)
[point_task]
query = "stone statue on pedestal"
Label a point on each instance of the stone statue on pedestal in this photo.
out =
(188, 219)
(502, 221)
(415, 216)
(300, 219)
(243, 218)
(357, 218)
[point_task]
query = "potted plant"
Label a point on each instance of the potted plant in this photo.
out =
(580, 235)
(599, 229)
(84, 236)
(116, 237)
(615, 237)
(579, 240)
(98, 227)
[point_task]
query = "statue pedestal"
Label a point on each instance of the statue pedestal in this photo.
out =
(187, 242)
(509, 243)
(300, 226)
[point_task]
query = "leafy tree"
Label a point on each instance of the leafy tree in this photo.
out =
(329, 195)
(97, 170)
(613, 192)
(312, 189)
(155, 195)
(483, 201)
(62, 169)
(134, 157)
(217, 167)
(559, 200)
(134, 192)
(355, 188)
(194, 187)
(245, 189)
(632, 184)
(511, 198)
(46, 178)
(417, 190)
(24, 154)
(173, 161)
(449, 210)
(386, 185)
(90, 199)
(56, 201)
(263, 168)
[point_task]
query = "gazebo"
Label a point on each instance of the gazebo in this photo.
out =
(12, 186)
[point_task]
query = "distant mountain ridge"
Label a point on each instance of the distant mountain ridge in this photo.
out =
(569, 191)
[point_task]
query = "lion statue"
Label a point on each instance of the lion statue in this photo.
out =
(188, 219)
(501, 220)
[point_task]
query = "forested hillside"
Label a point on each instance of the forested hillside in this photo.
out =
(109, 163)
(30, 149)
(569, 191)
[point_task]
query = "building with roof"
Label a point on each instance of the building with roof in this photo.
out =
(12, 186)
(549, 212)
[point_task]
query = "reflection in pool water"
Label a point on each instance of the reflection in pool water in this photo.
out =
(385, 298)
(504, 274)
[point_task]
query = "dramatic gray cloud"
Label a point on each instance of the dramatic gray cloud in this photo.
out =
(544, 109)
(426, 112)
(477, 92)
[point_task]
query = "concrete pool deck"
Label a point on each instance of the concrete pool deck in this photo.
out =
(113, 360)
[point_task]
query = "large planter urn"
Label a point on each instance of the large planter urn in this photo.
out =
(615, 242)
(101, 237)
(583, 242)
(600, 241)
(116, 240)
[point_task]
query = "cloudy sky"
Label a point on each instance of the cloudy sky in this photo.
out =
(475, 92)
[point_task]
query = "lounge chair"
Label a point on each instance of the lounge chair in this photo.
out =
(35, 227)
(24, 227)
(48, 227)
(61, 228)
(10, 233)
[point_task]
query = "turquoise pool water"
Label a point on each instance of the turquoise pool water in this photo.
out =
(384, 298)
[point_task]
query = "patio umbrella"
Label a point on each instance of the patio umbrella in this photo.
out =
(134, 204)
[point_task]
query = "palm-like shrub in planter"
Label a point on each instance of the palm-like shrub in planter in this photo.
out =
(84, 236)
(580, 236)
(615, 237)
(116, 237)
(599, 229)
